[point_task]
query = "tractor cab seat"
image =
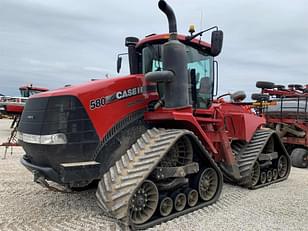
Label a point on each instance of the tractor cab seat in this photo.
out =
(204, 93)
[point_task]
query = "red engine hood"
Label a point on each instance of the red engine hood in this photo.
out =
(103, 86)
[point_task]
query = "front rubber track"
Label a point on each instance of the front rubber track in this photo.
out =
(122, 180)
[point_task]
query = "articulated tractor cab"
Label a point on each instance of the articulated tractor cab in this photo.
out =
(156, 141)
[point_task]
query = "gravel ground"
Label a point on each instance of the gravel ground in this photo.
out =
(24, 205)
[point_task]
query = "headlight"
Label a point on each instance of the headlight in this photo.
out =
(58, 138)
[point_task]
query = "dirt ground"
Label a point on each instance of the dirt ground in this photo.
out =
(24, 205)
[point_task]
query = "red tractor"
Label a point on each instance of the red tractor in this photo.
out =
(156, 140)
(286, 111)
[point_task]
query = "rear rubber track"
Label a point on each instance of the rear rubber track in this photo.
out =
(251, 153)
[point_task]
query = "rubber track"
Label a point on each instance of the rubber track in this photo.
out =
(251, 152)
(121, 181)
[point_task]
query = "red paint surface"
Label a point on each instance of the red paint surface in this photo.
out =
(14, 109)
(107, 116)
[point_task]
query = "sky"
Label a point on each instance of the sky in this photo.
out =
(51, 43)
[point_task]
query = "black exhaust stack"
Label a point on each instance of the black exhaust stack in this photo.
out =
(131, 43)
(164, 7)
(174, 74)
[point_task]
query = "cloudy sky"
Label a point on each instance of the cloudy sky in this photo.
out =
(51, 43)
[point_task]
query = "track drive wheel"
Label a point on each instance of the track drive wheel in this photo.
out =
(207, 184)
(144, 202)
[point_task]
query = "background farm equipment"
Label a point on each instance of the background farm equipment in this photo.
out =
(12, 107)
(286, 111)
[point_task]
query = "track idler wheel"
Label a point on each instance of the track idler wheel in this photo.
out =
(144, 202)
(166, 206)
(263, 178)
(255, 174)
(275, 174)
(192, 197)
(282, 166)
(179, 201)
(207, 184)
(269, 175)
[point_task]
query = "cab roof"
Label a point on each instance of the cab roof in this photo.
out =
(161, 38)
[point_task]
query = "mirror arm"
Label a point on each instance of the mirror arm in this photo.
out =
(189, 38)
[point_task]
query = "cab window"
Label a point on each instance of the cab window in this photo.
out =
(196, 59)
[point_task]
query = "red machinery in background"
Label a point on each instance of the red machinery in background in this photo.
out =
(13, 108)
(286, 111)
(14, 105)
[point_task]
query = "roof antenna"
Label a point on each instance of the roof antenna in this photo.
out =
(201, 21)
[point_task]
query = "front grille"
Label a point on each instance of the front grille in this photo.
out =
(58, 114)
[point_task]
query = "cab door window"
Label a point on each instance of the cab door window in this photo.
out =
(202, 63)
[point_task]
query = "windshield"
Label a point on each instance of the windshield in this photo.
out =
(196, 59)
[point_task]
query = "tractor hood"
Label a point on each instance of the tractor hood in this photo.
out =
(101, 86)
(107, 101)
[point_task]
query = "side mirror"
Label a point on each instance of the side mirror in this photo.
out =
(216, 42)
(119, 63)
